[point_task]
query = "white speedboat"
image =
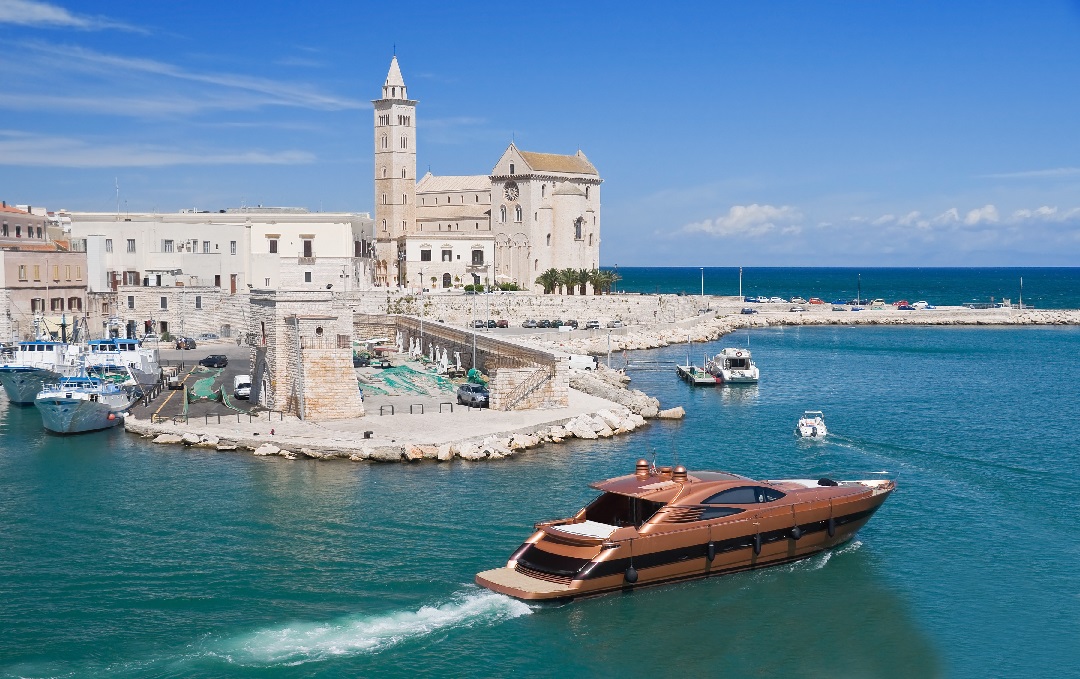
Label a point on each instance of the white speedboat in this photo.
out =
(84, 403)
(811, 425)
(35, 363)
(733, 366)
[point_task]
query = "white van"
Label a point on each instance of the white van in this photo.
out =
(582, 362)
(241, 386)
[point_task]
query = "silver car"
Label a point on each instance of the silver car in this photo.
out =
(474, 395)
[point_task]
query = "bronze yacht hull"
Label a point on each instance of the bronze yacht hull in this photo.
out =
(685, 539)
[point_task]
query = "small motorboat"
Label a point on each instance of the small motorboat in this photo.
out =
(811, 425)
(668, 525)
(733, 366)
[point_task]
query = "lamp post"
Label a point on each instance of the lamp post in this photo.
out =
(421, 310)
(702, 286)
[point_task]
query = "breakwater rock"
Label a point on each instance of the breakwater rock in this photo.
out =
(611, 385)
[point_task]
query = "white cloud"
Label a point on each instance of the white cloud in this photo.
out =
(44, 15)
(982, 215)
(950, 216)
(884, 219)
(911, 218)
(749, 220)
(1037, 174)
(27, 150)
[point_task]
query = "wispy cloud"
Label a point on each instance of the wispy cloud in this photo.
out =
(987, 214)
(749, 221)
(228, 90)
(27, 150)
(1037, 174)
(45, 15)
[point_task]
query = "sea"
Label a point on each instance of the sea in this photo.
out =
(119, 558)
(1043, 288)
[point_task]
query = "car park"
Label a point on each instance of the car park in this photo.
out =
(529, 323)
(592, 325)
(214, 361)
(474, 395)
(185, 343)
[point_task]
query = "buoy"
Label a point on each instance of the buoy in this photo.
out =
(830, 527)
(757, 544)
(112, 416)
(710, 551)
(631, 575)
(796, 533)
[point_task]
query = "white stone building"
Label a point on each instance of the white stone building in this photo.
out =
(534, 211)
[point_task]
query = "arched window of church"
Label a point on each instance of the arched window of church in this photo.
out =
(590, 240)
(502, 213)
(577, 228)
(384, 225)
(511, 168)
(586, 193)
(536, 265)
(477, 197)
(543, 190)
(384, 141)
(384, 173)
(402, 173)
(517, 213)
(404, 198)
(549, 239)
(384, 199)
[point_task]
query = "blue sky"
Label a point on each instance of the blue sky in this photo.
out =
(756, 134)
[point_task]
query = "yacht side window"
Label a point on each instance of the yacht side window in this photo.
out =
(745, 495)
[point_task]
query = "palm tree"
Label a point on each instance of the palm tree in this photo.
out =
(596, 278)
(568, 279)
(549, 280)
(603, 279)
(583, 276)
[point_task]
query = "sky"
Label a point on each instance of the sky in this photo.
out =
(727, 133)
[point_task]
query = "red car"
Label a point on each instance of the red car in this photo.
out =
(816, 300)
(902, 302)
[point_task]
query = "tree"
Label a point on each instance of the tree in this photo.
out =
(583, 277)
(597, 279)
(568, 279)
(549, 280)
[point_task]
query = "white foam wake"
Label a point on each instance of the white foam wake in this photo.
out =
(354, 635)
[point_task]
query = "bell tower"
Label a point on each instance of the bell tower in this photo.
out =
(395, 175)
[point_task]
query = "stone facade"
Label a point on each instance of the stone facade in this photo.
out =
(42, 288)
(187, 311)
(534, 211)
(302, 359)
(531, 388)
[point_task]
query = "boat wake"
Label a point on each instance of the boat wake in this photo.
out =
(300, 643)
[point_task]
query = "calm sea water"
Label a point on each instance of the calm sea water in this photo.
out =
(1045, 288)
(120, 558)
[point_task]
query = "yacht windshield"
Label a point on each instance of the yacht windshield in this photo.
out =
(621, 510)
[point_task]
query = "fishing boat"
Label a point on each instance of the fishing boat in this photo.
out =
(83, 403)
(124, 358)
(733, 366)
(667, 525)
(33, 364)
(811, 425)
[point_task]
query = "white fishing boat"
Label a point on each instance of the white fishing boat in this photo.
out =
(124, 357)
(35, 363)
(733, 366)
(84, 403)
(811, 425)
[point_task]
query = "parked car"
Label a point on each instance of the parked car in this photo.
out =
(615, 324)
(749, 310)
(572, 323)
(544, 323)
(839, 307)
(215, 361)
(478, 323)
(905, 307)
(797, 307)
(491, 323)
(475, 395)
(816, 300)
(840, 301)
(185, 343)
(209, 336)
(529, 323)
(754, 300)
(797, 300)
(555, 323)
(921, 304)
(776, 300)
(877, 304)
(241, 386)
(502, 323)
(900, 303)
(592, 325)
(151, 337)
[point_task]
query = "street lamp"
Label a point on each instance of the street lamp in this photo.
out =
(702, 286)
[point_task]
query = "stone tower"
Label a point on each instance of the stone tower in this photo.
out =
(395, 175)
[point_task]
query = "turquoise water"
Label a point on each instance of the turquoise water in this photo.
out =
(1044, 288)
(120, 558)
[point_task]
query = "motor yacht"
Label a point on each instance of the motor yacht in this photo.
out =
(811, 425)
(733, 366)
(667, 525)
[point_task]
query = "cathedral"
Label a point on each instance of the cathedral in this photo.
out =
(533, 212)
